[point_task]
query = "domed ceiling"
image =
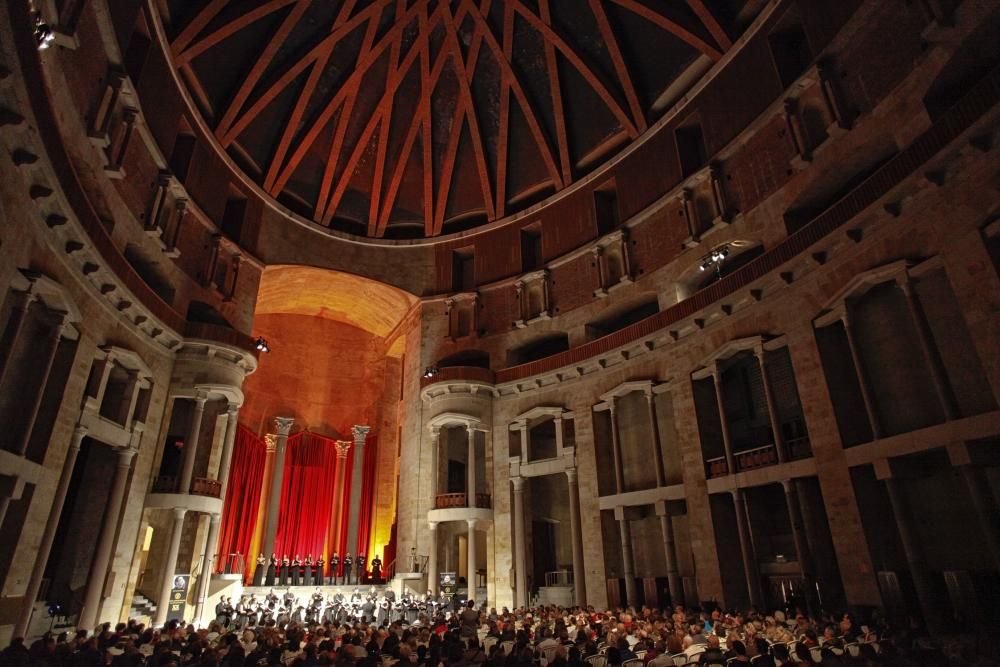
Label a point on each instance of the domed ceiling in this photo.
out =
(415, 118)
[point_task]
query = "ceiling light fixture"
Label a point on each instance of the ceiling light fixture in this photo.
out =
(430, 372)
(262, 345)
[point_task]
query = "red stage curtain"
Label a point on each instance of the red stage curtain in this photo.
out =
(367, 500)
(306, 495)
(239, 516)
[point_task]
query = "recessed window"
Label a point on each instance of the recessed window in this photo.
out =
(691, 149)
(234, 215)
(463, 270)
(606, 207)
(531, 247)
(789, 48)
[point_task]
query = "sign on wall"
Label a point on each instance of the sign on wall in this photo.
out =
(178, 597)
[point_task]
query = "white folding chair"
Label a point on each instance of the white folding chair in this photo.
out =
(634, 662)
(597, 660)
(548, 655)
(816, 653)
(640, 654)
(853, 650)
(679, 659)
(488, 643)
(507, 647)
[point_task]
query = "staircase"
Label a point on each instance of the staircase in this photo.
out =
(142, 609)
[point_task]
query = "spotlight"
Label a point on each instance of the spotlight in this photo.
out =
(430, 371)
(43, 33)
(715, 258)
(262, 344)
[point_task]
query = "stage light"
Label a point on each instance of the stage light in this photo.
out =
(43, 33)
(715, 258)
(430, 371)
(262, 344)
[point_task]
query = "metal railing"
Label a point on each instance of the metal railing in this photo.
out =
(449, 500)
(232, 563)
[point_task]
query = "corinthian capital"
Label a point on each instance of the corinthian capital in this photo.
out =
(343, 447)
(360, 433)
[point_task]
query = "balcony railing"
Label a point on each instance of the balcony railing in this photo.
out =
(559, 578)
(166, 484)
(206, 487)
(448, 500)
(759, 457)
(798, 448)
(200, 486)
(716, 467)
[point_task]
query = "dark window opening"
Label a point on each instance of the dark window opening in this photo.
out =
(199, 311)
(476, 358)
(531, 247)
(606, 208)
(137, 50)
(180, 157)
(538, 349)
(456, 476)
(234, 215)
(691, 149)
(463, 270)
(620, 319)
(789, 48)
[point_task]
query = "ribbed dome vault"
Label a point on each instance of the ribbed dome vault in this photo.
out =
(414, 118)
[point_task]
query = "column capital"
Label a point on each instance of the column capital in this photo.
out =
(518, 483)
(233, 410)
(270, 443)
(661, 508)
(472, 523)
(179, 513)
(200, 397)
(215, 517)
(611, 407)
(360, 432)
(283, 425)
(432, 525)
(343, 448)
(571, 475)
(125, 455)
(79, 433)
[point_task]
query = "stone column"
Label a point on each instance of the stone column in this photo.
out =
(520, 554)
(723, 420)
(105, 542)
(628, 563)
(616, 453)
(470, 467)
(471, 567)
(576, 533)
(340, 477)
(282, 425)
(47, 356)
(750, 568)
(919, 571)
(558, 421)
(432, 558)
(191, 444)
(169, 566)
(15, 324)
(933, 360)
(49, 533)
(670, 553)
(525, 442)
(226, 459)
(802, 552)
(435, 454)
(772, 408)
(654, 425)
(208, 565)
(859, 370)
(357, 476)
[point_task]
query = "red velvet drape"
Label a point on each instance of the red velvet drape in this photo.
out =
(306, 496)
(239, 516)
(367, 501)
(309, 512)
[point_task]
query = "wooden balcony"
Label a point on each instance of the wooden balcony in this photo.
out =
(450, 500)
(206, 487)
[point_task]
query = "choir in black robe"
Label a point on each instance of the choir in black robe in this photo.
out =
(296, 565)
(376, 570)
(258, 573)
(320, 576)
(284, 571)
(307, 572)
(347, 568)
(272, 565)
(334, 566)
